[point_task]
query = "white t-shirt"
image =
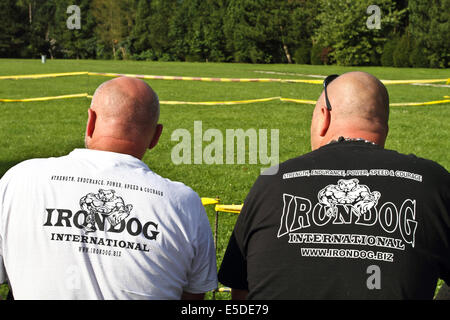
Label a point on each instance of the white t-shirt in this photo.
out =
(101, 225)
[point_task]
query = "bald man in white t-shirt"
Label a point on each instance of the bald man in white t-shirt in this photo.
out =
(98, 223)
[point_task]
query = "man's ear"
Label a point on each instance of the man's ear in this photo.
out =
(90, 127)
(156, 136)
(325, 121)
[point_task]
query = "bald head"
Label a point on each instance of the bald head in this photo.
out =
(123, 117)
(359, 109)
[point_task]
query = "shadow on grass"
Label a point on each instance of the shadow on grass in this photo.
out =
(59, 151)
(6, 165)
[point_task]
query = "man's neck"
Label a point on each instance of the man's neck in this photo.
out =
(118, 146)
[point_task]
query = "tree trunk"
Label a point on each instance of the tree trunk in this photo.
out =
(285, 48)
(30, 15)
(286, 52)
(124, 53)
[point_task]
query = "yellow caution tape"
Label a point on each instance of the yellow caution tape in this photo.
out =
(232, 208)
(208, 201)
(212, 103)
(400, 104)
(383, 81)
(298, 101)
(40, 76)
(313, 102)
(155, 77)
(413, 81)
(302, 81)
(67, 96)
(207, 79)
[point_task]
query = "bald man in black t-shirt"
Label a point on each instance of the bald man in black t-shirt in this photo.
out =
(349, 220)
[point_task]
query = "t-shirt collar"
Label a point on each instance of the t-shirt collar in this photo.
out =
(349, 142)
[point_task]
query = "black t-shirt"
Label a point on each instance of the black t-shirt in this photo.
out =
(350, 220)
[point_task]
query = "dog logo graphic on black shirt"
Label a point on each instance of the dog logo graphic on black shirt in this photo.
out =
(348, 192)
(105, 202)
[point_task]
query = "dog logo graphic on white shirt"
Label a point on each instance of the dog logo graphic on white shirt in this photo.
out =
(348, 192)
(104, 202)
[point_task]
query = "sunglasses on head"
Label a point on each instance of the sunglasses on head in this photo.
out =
(326, 82)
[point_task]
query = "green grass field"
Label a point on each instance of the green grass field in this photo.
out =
(54, 128)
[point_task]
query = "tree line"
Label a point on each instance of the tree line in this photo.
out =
(405, 33)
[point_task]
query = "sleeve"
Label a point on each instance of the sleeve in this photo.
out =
(445, 208)
(233, 271)
(436, 208)
(6, 184)
(203, 274)
(3, 276)
(234, 268)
